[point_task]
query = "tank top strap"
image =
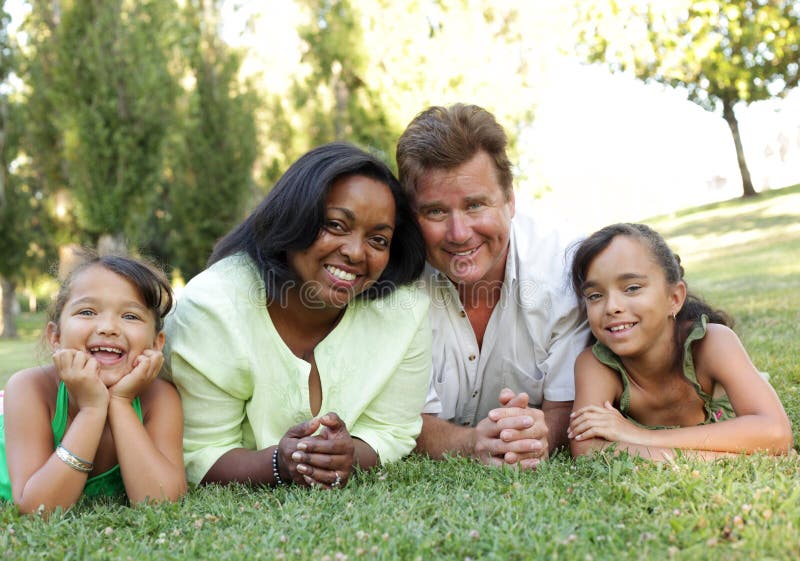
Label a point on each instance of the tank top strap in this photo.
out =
(60, 417)
(607, 357)
(697, 332)
(137, 406)
(62, 406)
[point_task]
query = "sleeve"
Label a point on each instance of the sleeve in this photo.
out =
(213, 378)
(433, 403)
(392, 421)
(569, 335)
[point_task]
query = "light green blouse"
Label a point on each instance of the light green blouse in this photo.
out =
(241, 386)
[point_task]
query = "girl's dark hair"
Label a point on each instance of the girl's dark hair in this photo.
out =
(150, 282)
(291, 216)
(670, 263)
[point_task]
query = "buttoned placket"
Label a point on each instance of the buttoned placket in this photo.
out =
(468, 346)
(475, 357)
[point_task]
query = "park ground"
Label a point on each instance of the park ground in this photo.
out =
(741, 255)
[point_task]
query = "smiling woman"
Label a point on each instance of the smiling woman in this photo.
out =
(352, 249)
(301, 353)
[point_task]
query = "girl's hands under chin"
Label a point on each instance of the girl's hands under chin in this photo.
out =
(81, 374)
(146, 367)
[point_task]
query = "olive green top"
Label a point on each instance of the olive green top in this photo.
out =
(717, 406)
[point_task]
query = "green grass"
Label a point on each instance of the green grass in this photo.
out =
(741, 255)
(26, 351)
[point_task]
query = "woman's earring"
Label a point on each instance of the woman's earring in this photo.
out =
(674, 316)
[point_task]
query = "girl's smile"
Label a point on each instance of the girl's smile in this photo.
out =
(629, 302)
(105, 318)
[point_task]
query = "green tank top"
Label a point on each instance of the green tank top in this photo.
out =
(717, 406)
(108, 483)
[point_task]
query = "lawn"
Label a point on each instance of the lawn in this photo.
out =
(741, 255)
(26, 351)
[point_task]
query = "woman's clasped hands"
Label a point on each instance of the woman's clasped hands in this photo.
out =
(322, 460)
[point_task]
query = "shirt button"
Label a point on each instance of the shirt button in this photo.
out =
(463, 314)
(465, 423)
(472, 357)
(474, 394)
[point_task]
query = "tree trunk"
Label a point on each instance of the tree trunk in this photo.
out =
(9, 289)
(733, 124)
(3, 124)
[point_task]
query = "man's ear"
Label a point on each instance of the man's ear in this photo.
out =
(52, 335)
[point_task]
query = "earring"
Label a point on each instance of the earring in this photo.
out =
(674, 316)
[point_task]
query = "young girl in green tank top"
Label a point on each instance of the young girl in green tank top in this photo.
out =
(97, 421)
(663, 359)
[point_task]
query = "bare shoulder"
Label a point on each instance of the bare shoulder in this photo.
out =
(160, 395)
(588, 365)
(718, 334)
(594, 381)
(35, 381)
(720, 343)
(721, 356)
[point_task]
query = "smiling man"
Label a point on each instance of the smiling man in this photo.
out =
(506, 328)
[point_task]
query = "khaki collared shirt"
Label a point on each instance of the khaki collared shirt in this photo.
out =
(533, 337)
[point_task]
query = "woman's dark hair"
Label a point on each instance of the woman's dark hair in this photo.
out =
(670, 263)
(149, 281)
(291, 216)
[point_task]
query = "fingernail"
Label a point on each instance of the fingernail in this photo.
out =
(302, 468)
(302, 446)
(297, 456)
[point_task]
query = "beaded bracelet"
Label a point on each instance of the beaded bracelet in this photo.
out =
(276, 475)
(73, 461)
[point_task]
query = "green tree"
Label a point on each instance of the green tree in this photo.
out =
(24, 218)
(211, 176)
(42, 139)
(26, 225)
(114, 98)
(363, 68)
(6, 68)
(721, 53)
(331, 99)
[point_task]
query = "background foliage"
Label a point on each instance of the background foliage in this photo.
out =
(135, 124)
(721, 53)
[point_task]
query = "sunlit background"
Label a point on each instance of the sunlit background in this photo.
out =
(156, 125)
(602, 147)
